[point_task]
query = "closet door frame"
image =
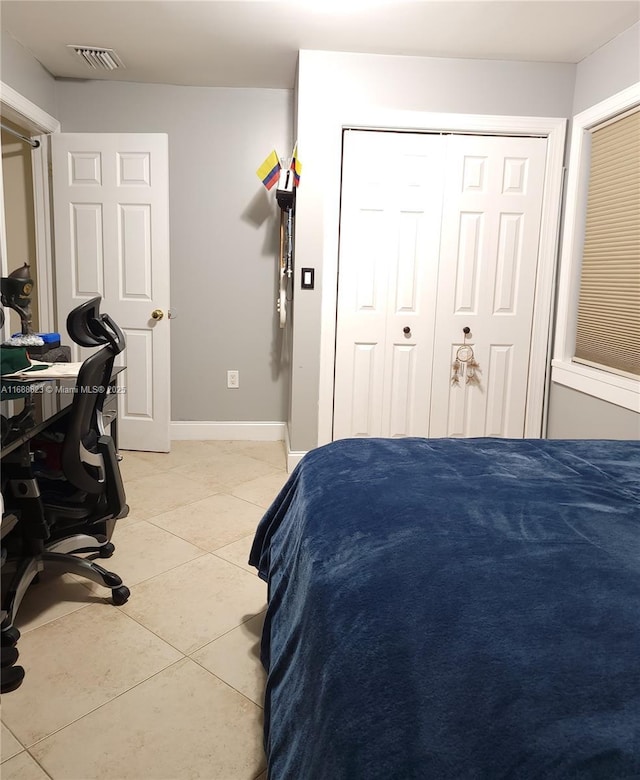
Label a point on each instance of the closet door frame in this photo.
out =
(551, 128)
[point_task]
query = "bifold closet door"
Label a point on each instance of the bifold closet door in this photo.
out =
(437, 233)
(388, 267)
(488, 262)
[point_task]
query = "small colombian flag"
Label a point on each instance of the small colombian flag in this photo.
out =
(269, 171)
(296, 166)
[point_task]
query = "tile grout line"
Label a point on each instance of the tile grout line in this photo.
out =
(226, 683)
(105, 601)
(177, 566)
(176, 536)
(135, 685)
(215, 639)
(237, 565)
(185, 657)
(183, 539)
(39, 764)
(4, 760)
(88, 586)
(195, 650)
(109, 701)
(227, 491)
(26, 631)
(224, 491)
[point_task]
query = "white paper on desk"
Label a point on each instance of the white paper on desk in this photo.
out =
(52, 371)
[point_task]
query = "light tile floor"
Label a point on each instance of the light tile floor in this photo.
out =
(168, 686)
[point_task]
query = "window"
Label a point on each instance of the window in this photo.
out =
(597, 349)
(608, 328)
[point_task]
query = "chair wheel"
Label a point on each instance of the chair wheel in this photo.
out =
(10, 636)
(107, 550)
(11, 679)
(120, 595)
(8, 656)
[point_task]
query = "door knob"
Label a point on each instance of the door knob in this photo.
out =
(157, 314)
(406, 330)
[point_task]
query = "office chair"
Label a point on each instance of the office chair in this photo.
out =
(81, 510)
(73, 511)
(91, 493)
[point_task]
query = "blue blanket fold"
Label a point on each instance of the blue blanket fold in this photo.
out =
(447, 608)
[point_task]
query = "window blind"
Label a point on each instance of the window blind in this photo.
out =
(608, 333)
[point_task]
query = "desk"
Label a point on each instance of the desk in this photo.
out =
(39, 410)
(42, 405)
(44, 402)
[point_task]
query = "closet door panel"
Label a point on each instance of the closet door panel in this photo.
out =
(488, 262)
(389, 243)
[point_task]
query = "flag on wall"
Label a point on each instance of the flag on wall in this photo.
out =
(296, 166)
(269, 171)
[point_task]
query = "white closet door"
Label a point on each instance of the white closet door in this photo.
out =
(488, 261)
(389, 245)
(437, 233)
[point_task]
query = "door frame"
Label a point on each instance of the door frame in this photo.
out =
(551, 128)
(39, 124)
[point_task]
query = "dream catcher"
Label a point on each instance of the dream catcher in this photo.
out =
(465, 366)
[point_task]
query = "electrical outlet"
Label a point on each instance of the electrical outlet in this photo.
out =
(233, 379)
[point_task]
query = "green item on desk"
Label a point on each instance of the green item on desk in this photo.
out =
(14, 359)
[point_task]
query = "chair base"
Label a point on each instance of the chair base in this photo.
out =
(57, 559)
(82, 543)
(57, 562)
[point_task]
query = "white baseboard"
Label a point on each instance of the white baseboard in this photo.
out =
(227, 431)
(293, 457)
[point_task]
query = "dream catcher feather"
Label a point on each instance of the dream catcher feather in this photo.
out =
(465, 366)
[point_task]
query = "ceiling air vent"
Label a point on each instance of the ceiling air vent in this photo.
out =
(103, 59)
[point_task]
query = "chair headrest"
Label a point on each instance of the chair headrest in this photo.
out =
(89, 328)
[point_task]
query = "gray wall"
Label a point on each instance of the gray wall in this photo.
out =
(608, 70)
(224, 236)
(332, 87)
(20, 70)
(574, 415)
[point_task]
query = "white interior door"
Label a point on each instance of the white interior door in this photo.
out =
(437, 233)
(389, 238)
(111, 219)
(488, 262)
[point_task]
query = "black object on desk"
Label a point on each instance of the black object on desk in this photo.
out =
(61, 517)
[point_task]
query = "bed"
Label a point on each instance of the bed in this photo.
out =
(454, 608)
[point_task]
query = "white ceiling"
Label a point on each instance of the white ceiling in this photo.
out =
(241, 43)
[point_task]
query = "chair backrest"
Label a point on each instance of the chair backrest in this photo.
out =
(82, 458)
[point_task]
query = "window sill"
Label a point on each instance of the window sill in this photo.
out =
(615, 389)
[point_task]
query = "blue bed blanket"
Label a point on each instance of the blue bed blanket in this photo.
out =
(446, 608)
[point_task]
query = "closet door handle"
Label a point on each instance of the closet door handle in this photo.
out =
(406, 330)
